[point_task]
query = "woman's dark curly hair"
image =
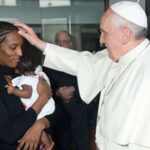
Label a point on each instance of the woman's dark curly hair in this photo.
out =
(6, 28)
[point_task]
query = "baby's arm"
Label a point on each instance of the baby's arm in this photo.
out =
(24, 93)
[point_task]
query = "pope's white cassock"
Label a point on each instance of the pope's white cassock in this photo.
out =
(123, 121)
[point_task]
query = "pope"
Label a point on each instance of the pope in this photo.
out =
(121, 72)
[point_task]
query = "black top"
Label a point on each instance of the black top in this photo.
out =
(14, 120)
(59, 79)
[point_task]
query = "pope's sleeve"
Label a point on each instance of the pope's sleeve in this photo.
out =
(90, 69)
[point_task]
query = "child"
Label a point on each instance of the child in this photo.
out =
(25, 86)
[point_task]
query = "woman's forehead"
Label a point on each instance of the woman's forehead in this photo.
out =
(13, 37)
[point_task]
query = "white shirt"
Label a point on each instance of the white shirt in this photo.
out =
(123, 121)
(33, 80)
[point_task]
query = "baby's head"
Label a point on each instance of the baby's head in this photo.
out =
(25, 65)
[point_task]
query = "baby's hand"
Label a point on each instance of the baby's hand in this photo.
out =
(10, 88)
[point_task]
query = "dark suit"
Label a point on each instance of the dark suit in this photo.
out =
(75, 110)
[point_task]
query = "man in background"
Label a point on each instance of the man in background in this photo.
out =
(65, 92)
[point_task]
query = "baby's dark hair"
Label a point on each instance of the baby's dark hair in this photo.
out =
(6, 28)
(25, 65)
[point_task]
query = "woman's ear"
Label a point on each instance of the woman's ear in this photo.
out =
(125, 35)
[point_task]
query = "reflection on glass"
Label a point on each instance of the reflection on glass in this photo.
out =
(9, 19)
(51, 26)
(54, 3)
(7, 2)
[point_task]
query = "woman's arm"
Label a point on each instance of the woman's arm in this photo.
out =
(13, 128)
(45, 93)
(31, 138)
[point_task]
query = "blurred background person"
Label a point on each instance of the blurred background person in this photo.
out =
(65, 92)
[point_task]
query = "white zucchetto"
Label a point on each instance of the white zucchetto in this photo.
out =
(131, 11)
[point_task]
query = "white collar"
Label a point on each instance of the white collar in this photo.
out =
(127, 58)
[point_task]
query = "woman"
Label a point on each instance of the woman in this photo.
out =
(16, 124)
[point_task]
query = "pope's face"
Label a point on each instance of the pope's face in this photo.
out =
(10, 49)
(109, 36)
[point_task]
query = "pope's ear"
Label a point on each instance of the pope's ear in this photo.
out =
(125, 35)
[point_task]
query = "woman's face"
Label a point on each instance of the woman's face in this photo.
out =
(10, 49)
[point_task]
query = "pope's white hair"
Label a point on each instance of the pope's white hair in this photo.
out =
(138, 31)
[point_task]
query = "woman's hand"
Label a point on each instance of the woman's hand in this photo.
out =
(32, 137)
(43, 88)
(45, 93)
(29, 34)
